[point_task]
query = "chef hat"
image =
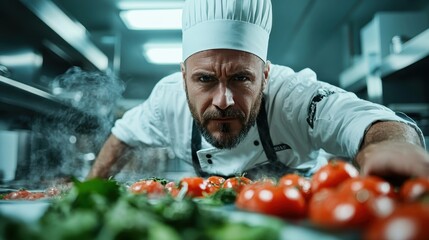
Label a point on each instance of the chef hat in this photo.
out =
(226, 24)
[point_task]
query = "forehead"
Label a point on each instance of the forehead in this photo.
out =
(223, 58)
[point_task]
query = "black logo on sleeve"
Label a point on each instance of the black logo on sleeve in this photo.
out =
(321, 94)
(281, 147)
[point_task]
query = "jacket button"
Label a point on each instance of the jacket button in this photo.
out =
(208, 156)
(256, 143)
(210, 161)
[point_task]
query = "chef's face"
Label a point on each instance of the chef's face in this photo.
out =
(224, 92)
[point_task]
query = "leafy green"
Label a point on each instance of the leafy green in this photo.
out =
(219, 198)
(241, 231)
(163, 181)
(2, 195)
(105, 210)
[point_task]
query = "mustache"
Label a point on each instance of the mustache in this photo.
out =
(223, 113)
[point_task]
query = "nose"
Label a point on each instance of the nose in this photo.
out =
(223, 97)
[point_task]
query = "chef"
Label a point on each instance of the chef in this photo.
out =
(230, 111)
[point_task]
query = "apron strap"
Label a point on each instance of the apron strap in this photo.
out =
(264, 133)
(195, 146)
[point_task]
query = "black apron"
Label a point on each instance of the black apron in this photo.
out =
(271, 168)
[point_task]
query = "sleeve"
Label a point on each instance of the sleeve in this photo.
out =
(143, 123)
(338, 120)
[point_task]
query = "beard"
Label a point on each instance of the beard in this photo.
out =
(227, 138)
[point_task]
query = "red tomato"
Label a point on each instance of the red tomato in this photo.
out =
(376, 185)
(271, 180)
(382, 206)
(214, 183)
(36, 195)
(332, 174)
(170, 185)
(413, 188)
(172, 188)
(15, 195)
(266, 198)
(295, 180)
(196, 186)
(407, 221)
(150, 187)
(236, 183)
(333, 209)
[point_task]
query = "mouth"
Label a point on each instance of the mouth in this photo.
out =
(224, 120)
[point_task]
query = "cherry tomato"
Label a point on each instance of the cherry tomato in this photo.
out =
(295, 180)
(333, 209)
(414, 188)
(236, 183)
(150, 187)
(170, 185)
(172, 188)
(407, 221)
(196, 186)
(376, 185)
(271, 180)
(214, 183)
(332, 174)
(15, 195)
(266, 198)
(36, 195)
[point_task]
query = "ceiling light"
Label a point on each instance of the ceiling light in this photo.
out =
(163, 53)
(155, 4)
(152, 19)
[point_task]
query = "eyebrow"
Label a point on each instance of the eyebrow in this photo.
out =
(245, 72)
(200, 73)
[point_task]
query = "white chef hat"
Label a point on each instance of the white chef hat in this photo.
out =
(226, 24)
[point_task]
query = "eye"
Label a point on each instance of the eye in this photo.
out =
(206, 78)
(241, 78)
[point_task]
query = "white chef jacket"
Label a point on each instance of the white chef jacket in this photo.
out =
(315, 119)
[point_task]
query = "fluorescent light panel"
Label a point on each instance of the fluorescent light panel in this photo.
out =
(152, 19)
(155, 4)
(163, 53)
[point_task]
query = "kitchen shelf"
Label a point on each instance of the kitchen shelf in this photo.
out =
(19, 97)
(24, 98)
(413, 51)
(354, 78)
(27, 98)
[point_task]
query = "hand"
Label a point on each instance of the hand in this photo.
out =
(393, 158)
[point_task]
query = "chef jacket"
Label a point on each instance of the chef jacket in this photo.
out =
(308, 122)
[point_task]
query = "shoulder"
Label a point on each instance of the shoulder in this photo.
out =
(169, 87)
(172, 80)
(169, 95)
(285, 83)
(288, 83)
(289, 79)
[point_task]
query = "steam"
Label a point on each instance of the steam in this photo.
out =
(65, 142)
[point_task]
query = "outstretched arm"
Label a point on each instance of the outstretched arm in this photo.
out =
(393, 149)
(108, 160)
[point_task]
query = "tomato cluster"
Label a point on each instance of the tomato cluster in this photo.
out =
(276, 200)
(336, 197)
(24, 194)
(369, 203)
(193, 187)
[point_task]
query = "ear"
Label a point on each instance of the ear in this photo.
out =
(183, 70)
(267, 72)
